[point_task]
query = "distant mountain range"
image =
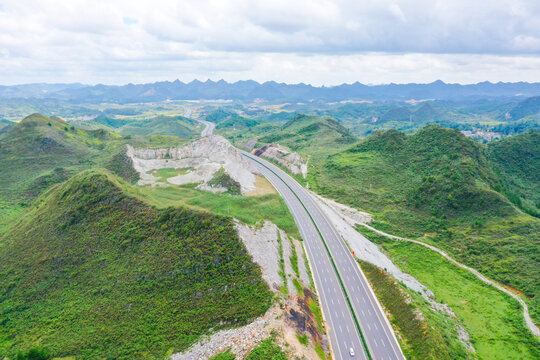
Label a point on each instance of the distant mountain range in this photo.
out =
(250, 90)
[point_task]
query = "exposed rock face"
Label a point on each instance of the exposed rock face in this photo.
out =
(205, 156)
(263, 245)
(291, 160)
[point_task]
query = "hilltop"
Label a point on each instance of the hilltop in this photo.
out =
(90, 271)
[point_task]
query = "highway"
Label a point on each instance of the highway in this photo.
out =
(338, 313)
(208, 129)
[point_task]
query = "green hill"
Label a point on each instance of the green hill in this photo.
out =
(39, 144)
(305, 131)
(219, 115)
(440, 186)
(179, 126)
(527, 107)
(40, 151)
(161, 125)
(90, 271)
(399, 114)
(425, 113)
(517, 159)
(237, 122)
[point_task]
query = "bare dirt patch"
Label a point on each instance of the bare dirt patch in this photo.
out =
(262, 187)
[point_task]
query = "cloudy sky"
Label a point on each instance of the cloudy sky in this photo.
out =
(311, 41)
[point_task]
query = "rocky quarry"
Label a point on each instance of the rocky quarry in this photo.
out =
(291, 160)
(202, 159)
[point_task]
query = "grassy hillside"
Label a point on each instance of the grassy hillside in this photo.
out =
(439, 186)
(39, 144)
(400, 114)
(237, 122)
(91, 272)
(179, 126)
(40, 151)
(304, 131)
(313, 135)
(527, 107)
(517, 159)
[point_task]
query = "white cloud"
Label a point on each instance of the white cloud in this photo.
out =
(313, 41)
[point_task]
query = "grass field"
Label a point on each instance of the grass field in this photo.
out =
(248, 209)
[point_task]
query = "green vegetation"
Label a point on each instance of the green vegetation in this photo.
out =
(222, 179)
(122, 165)
(179, 126)
(299, 288)
(314, 307)
(304, 131)
(302, 339)
(33, 354)
(237, 123)
(251, 210)
(165, 173)
(267, 350)
(305, 134)
(92, 272)
(527, 107)
(424, 333)
(294, 258)
(493, 319)
(517, 159)
(320, 351)
(440, 187)
(40, 151)
(227, 355)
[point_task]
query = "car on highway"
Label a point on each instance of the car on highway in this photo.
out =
(351, 351)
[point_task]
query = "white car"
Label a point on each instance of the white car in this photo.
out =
(351, 351)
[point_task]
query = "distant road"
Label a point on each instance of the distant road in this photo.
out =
(209, 128)
(320, 239)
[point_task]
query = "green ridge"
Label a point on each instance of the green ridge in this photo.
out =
(91, 272)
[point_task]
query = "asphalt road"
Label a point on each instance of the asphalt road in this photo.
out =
(343, 331)
(209, 128)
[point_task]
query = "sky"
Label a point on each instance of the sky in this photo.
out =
(318, 42)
